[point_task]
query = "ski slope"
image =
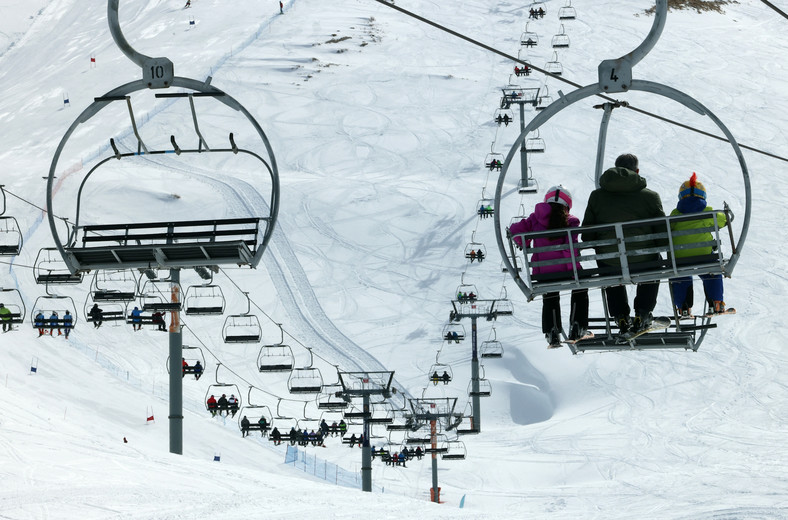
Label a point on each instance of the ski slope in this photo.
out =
(380, 125)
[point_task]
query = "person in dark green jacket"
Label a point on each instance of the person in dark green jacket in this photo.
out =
(622, 197)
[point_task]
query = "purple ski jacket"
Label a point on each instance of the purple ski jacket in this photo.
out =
(538, 221)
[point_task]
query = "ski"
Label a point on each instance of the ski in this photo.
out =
(712, 314)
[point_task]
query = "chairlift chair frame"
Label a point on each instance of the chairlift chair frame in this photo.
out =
(475, 247)
(615, 76)
(65, 303)
(115, 312)
(50, 269)
(203, 300)
(157, 295)
(102, 289)
(439, 368)
(554, 66)
(192, 354)
(11, 238)
(182, 244)
(12, 300)
(245, 322)
(529, 38)
(561, 39)
(534, 144)
(305, 380)
(455, 450)
(567, 12)
(219, 388)
(450, 328)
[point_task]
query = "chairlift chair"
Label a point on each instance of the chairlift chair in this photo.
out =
(275, 358)
(455, 450)
(242, 328)
(186, 243)
(12, 300)
(485, 208)
(114, 312)
(453, 332)
(493, 161)
(113, 285)
(437, 371)
(561, 40)
(503, 116)
(10, 233)
(50, 269)
(529, 38)
(475, 250)
(218, 388)
(203, 300)
(544, 99)
(465, 292)
(534, 144)
(191, 355)
(554, 66)
(485, 388)
(305, 380)
(53, 303)
(491, 349)
(567, 12)
(329, 400)
(159, 295)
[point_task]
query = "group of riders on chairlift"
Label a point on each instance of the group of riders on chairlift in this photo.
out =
(622, 196)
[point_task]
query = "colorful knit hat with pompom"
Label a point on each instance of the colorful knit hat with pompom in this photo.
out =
(692, 188)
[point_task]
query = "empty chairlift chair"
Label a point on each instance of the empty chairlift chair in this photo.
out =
(554, 66)
(242, 328)
(561, 40)
(567, 12)
(10, 234)
(204, 300)
(276, 357)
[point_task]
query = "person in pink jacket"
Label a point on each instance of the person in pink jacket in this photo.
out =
(553, 213)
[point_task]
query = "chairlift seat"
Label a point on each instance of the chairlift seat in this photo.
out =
(198, 311)
(113, 296)
(242, 338)
(165, 244)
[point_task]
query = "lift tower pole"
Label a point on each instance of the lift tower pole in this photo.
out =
(176, 369)
(431, 411)
(474, 309)
(365, 385)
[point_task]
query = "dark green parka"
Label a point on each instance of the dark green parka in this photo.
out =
(622, 197)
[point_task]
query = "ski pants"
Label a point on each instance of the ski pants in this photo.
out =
(551, 310)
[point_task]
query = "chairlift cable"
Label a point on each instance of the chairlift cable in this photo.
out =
(565, 80)
(776, 9)
(37, 207)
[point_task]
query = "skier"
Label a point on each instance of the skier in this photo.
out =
(136, 319)
(232, 404)
(281, 8)
(692, 199)
(212, 405)
(197, 369)
(54, 323)
(96, 315)
(553, 213)
(40, 321)
(5, 316)
(68, 323)
(244, 427)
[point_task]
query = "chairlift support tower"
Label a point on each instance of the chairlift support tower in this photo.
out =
(431, 411)
(489, 310)
(365, 385)
(182, 244)
(615, 76)
(527, 183)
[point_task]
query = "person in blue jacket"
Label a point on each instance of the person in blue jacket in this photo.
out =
(54, 323)
(68, 323)
(136, 319)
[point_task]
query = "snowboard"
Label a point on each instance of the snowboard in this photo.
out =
(588, 335)
(727, 311)
(659, 323)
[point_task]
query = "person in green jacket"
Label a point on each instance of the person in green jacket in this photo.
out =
(5, 316)
(622, 197)
(692, 199)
